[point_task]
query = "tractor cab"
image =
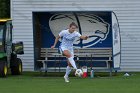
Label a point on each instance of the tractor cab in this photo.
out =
(9, 50)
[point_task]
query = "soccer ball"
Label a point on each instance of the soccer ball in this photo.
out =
(78, 72)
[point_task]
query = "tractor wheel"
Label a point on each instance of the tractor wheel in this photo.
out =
(3, 68)
(17, 68)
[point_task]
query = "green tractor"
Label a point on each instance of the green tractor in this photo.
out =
(8, 50)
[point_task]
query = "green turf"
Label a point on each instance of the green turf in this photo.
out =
(35, 83)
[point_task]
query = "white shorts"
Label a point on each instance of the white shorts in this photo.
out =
(61, 49)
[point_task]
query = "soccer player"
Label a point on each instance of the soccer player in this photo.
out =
(66, 47)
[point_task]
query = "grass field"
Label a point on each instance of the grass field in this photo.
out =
(35, 83)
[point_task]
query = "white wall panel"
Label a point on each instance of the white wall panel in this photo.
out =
(128, 12)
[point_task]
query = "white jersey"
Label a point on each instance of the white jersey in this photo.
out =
(68, 38)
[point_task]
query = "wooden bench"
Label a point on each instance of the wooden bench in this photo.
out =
(81, 54)
(49, 55)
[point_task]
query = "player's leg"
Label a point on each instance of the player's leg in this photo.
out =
(70, 63)
(68, 69)
(70, 58)
(69, 54)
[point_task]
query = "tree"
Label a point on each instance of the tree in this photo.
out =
(4, 8)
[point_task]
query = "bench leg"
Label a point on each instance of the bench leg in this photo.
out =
(46, 66)
(43, 65)
(42, 68)
(59, 64)
(110, 68)
(110, 74)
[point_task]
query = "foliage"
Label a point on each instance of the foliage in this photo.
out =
(4, 8)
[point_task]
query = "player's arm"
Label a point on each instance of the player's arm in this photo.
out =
(83, 37)
(55, 42)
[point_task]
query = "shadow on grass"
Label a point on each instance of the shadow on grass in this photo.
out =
(61, 74)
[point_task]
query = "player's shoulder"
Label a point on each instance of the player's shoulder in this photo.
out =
(64, 31)
(76, 32)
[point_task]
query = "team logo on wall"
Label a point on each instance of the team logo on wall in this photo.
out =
(116, 33)
(90, 25)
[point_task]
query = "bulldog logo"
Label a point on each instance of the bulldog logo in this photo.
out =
(90, 25)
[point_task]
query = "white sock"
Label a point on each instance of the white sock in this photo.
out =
(68, 70)
(72, 62)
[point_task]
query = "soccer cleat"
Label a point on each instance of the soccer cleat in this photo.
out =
(66, 79)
